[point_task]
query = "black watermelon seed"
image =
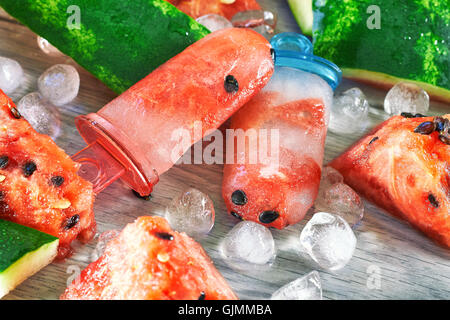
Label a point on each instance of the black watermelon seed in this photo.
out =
(419, 115)
(373, 140)
(72, 221)
(146, 198)
(239, 197)
(231, 85)
(202, 296)
(407, 115)
(444, 139)
(426, 127)
(57, 181)
(273, 54)
(234, 214)
(433, 200)
(4, 160)
(268, 216)
(164, 236)
(29, 168)
(441, 123)
(16, 114)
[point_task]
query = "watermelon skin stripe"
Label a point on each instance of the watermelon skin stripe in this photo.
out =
(119, 42)
(412, 43)
(17, 240)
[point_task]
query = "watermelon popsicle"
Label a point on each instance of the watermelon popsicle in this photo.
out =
(141, 134)
(279, 190)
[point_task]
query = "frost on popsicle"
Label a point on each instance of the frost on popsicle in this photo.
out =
(349, 112)
(337, 197)
(248, 244)
(11, 75)
(43, 116)
(191, 212)
(308, 287)
(406, 97)
(59, 84)
(328, 240)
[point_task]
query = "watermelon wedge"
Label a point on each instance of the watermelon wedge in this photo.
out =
(383, 42)
(198, 8)
(39, 185)
(23, 252)
(149, 261)
(403, 166)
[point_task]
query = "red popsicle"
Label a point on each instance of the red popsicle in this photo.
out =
(138, 135)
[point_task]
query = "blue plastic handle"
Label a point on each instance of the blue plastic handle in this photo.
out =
(296, 51)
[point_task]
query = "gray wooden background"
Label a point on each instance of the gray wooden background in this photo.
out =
(409, 264)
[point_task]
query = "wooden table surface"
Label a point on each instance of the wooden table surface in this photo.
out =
(407, 264)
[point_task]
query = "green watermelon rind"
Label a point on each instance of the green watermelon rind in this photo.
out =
(119, 42)
(410, 46)
(303, 14)
(23, 252)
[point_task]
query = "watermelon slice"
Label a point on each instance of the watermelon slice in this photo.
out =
(23, 252)
(198, 8)
(149, 261)
(403, 166)
(119, 42)
(39, 185)
(411, 41)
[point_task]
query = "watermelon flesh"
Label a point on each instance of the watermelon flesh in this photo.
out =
(149, 261)
(161, 116)
(404, 172)
(198, 8)
(279, 191)
(39, 185)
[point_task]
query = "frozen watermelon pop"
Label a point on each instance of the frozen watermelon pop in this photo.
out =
(139, 135)
(296, 103)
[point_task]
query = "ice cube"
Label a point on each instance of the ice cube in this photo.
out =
(248, 244)
(307, 287)
(11, 75)
(103, 240)
(337, 197)
(342, 200)
(191, 212)
(214, 22)
(43, 116)
(349, 112)
(47, 47)
(263, 22)
(59, 84)
(328, 240)
(330, 176)
(406, 97)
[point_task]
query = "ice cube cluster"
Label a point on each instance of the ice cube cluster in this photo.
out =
(248, 244)
(336, 197)
(191, 212)
(308, 287)
(328, 240)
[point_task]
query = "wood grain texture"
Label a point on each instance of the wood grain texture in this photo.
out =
(412, 266)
